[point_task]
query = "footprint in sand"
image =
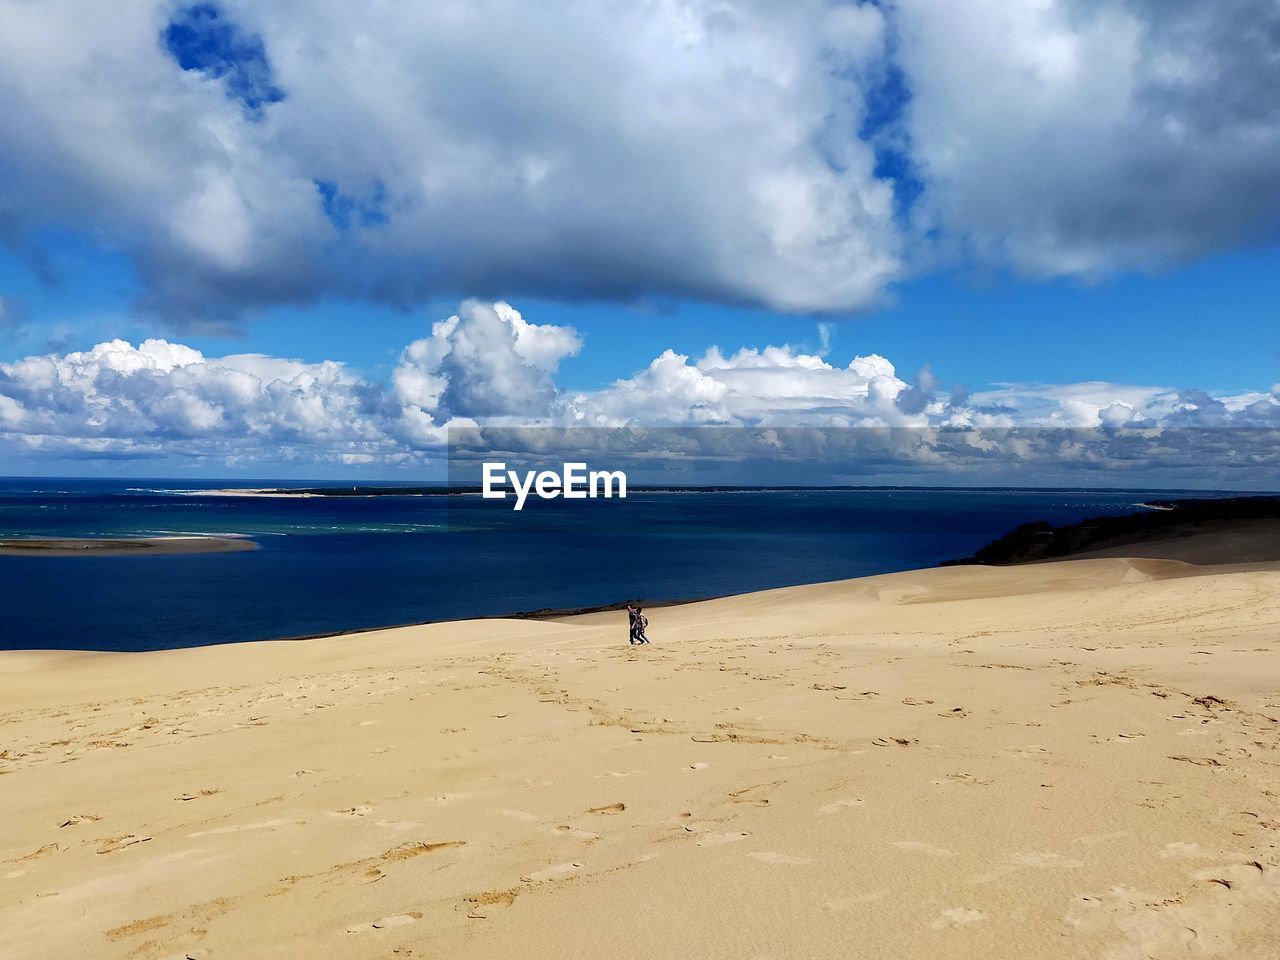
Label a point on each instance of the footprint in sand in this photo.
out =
(720, 839)
(917, 847)
(521, 815)
(699, 766)
(395, 920)
(558, 872)
(609, 808)
(953, 778)
(203, 793)
(565, 830)
(957, 917)
(112, 844)
(1153, 929)
(838, 805)
(1027, 753)
(768, 856)
(407, 851)
(746, 795)
(1233, 876)
(359, 811)
(78, 818)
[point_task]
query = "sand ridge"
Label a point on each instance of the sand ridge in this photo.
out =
(1074, 759)
(125, 546)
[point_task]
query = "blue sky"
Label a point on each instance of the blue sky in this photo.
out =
(1213, 324)
(306, 236)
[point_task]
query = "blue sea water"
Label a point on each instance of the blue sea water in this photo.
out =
(327, 565)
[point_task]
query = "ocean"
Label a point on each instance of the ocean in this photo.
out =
(327, 564)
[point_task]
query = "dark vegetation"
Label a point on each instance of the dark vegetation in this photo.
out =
(1043, 541)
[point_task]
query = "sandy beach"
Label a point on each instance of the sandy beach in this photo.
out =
(122, 546)
(1058, 760)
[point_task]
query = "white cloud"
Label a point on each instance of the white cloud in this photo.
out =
(486, 365)
(669, 391)
(716, 149)
(1069, 137)
(166, 399)
(485, 362)
(695, 148)
(773, 386)
(1072, 404)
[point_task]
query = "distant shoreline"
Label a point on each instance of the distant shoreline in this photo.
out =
(1226, 530)
(1199, 531)
(1206, 531)
(467, 489)
(122, 546)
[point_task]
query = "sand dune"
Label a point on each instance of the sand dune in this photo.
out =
(123, 546)
(1074, 759)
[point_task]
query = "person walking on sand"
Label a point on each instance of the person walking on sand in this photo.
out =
(641, 625)
(632, 615)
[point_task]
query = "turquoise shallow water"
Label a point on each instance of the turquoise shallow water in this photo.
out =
(329, 565)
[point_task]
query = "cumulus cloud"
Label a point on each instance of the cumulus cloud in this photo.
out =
(488, 367)
(669, 390)
(167, 399)
(486, 362)
(249, 154)
(773, 386)
(783, 387)
(1069, 137)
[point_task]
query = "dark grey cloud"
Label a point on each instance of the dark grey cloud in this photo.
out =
(920, 394)
(1077, 137)
(801, 156)
(249, 154)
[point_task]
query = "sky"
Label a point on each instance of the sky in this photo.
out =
(287, 239)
